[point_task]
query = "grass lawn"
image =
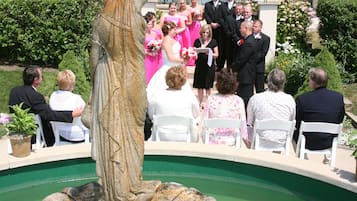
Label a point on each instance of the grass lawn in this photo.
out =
(12, 78)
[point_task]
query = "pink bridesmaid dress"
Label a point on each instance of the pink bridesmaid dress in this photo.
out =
(177, 21)
(186, 38)
(152, 62)
(195, 26)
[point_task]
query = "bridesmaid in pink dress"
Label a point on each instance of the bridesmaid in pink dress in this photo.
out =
(153, 59)
(172, 16)
(197, 16)
(185, 14)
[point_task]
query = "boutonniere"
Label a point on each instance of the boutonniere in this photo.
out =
(219, 3)
(240, 42)
(234, 5)
(258, 37)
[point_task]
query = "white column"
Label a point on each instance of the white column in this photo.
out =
(150, 5)
(268, 13)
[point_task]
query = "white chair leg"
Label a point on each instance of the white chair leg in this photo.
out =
(333, 153)
(206, 137)
(238, 140)
(302, 147)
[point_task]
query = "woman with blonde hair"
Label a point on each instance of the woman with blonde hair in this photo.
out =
(204, 72)
(65, 100)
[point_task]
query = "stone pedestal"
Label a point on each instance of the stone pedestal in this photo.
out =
(268, 13)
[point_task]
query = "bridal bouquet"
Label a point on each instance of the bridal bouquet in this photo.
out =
(154, 46)
(189, 53)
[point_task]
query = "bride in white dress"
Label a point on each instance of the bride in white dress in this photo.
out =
(171, 54)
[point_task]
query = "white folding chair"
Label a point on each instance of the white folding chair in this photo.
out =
(209, 126)
(172, 122)
(56, 125)
(320, 127)
(40, 138)
(273, 125)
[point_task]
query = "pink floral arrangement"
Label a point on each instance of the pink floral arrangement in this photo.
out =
(4, 118)
(154, 45)
(189, 53)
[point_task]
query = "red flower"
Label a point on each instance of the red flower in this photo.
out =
(240, 42)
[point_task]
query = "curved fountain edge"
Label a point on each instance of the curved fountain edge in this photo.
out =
(266, 159)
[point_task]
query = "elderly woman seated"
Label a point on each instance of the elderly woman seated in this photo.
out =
(175, 101)
(272, 104)
(64, 100)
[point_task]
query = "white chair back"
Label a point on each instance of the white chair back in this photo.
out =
(273, 125)
(56, 125)
(173, 121)
(210, 124)
(320, 127)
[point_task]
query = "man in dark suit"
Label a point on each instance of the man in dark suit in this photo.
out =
(214, 15)
(319, 105)
(263, 42)
(232, 33)
(32, 77)
(246, 61)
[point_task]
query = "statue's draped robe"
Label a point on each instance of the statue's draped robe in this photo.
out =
(118, 98)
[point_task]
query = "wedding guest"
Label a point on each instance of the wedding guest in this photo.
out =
(175, 101)
(32, 78)
(248, 13)
(65, 100)
(263, 42)
(153, 56)
(203, 76)
(272, 104)
(319, 105)
(225, 104)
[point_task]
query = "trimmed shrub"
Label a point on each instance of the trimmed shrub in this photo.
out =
(326, 61)
(71, 62)
(295, 67)
(338, 29)
(41, 31)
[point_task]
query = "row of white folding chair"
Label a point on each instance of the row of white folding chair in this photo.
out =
(320, 127)
(210, 125)
(56, 131)
(273, 125)
(167, 121)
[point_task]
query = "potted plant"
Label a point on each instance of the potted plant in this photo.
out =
(21, 128)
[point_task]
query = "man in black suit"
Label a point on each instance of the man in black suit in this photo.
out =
(246, 61)
(319, 105)
(263, 42)
(32, 77)
(232, 33)
(214, 15)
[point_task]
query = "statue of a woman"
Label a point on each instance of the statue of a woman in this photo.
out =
(118, 98)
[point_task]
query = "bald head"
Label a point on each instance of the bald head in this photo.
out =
(318, 78)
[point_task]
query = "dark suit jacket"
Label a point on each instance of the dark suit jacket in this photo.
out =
(214, 15)
(227, 10)
(320, 105)
(263, 47)
(231, 28)
(37, 104)
(246, 61)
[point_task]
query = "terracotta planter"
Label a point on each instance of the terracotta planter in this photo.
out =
(21, 145)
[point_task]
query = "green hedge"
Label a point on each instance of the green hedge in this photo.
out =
(41, 31)
(338, 28)
(326, 61)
